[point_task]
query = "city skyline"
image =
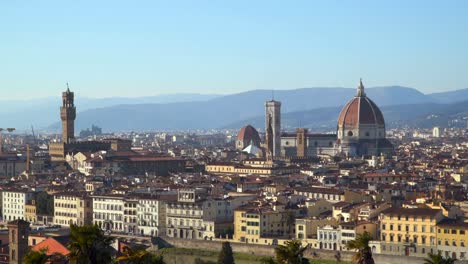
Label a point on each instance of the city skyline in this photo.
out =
(124, 50)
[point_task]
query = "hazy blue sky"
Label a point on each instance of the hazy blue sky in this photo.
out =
(132, 48)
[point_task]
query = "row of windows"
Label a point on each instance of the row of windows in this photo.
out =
(408, 218)
(112, 207)
(328, 235)
(452, 231)
(65, 214)
(407, 228)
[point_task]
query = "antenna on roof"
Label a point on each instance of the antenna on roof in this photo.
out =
(272, 94)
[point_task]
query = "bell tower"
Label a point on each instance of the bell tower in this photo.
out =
(68, 115)
(273, 127)
(18, 240)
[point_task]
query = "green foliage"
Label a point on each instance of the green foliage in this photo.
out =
(139, 256)
(290, 253)
(226, 256)
(36, 257)
(438, 259)
(89, 245)
(361, 244)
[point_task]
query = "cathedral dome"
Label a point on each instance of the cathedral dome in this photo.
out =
(360, 111)
(246, 136)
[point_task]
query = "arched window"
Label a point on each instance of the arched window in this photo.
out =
(350, 133)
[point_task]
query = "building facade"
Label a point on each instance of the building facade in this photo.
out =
(73, 208)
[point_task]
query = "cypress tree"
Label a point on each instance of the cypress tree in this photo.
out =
(226, 256)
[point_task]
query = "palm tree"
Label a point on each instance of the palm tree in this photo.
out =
(36, 257)
(89, 245)
(438, 259)
(361, 244)
(290, 253)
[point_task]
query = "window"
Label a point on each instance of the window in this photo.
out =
(350, 133)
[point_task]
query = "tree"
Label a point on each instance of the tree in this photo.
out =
(36, 257)
(290, 253)
(226, 256)
(139, 256)
(89, 245)
(361, 244)
(438, 259)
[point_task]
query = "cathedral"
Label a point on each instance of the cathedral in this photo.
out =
(360, 132)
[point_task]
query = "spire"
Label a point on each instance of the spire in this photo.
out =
(68, 88)
(360, 89)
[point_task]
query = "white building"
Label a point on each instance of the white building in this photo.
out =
(436, 132)
(14, 202)
(328, 237)
(151, 214)
(108, 212)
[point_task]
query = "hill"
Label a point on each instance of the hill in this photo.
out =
(425, 115)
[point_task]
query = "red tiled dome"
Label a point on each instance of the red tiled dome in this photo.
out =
(360, 110)
(248, 134)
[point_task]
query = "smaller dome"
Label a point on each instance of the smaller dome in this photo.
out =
(249, 134)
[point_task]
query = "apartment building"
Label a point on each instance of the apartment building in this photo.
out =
(151, 213)
(452, 239)
(195, 215)
(72, 208)
(262, 224)
(14, 203)
(409, 231)
(108, 212)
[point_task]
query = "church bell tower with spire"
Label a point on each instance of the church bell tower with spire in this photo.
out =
(68, 115)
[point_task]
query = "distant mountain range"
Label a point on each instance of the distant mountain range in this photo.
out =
(308, 107)
(423, 115)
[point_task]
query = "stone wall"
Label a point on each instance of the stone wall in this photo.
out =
(263, 250)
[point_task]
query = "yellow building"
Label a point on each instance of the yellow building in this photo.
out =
(72, 208)
(452, 239)
(262, 225)
(409, 231)
(30, 212)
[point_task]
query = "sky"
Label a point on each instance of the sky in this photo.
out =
(140, 48)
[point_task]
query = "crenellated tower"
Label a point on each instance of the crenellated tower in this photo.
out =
(68, 115)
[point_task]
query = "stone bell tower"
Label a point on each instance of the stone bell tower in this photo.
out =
(68, 115)
(18, 233)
